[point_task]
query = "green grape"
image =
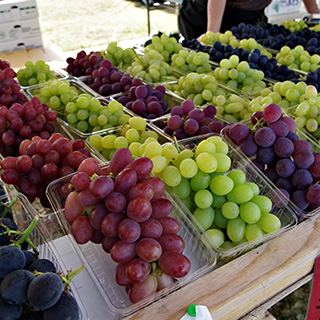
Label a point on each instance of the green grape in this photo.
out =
(227, 245)
(121, 142)
(93, 121)
(253, 231)
(221, 146)
(230, 210)
(159, 163)
(223, 161)
(218, 201)
(170, 152)
(82, 126)
(205, 217)
(54, 102)
(250, 212)
(132, 135)
(147, 135)
(137, 123)
(200, 181)
(203, 198)
(263, 202)
(82, 114)
(134, 148)
(240, 194)
(221, 185)
(254, 187)
(238, 176)
(187, 202)
(207, 162)
(153, 149)
(171, 176)
(216, 237)
(188, 168)
(269, 223)
(205, 146)
(107, 142)
(182, 190)
(72, 118)
(220, 220)
(95, 141)
(236, 229)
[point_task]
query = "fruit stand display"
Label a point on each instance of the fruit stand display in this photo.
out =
(183, 174)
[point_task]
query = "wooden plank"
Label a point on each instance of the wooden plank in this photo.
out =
(237, 287)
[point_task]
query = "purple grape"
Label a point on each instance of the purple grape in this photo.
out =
(141, 91)
(299, 199)
(303, 159)
(177, 110)
(155, 108)
(302, 179)
(285, 167)
(180, 134)
(313, 195)
(248, 146)
(238, 131)
(280, 128)
(283, 147)
(265, 155)
(138, 107)
(285, 183)
(157, 94)
(187, 106)
(210, 111)
(216, 126)
(264, 137)
(191, 126)
(175, 122)
(196, 114)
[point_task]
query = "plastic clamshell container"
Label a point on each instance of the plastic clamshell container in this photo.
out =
(280, 209)
(42, 236)
(169, 97)
(202, 257)
(303, 135)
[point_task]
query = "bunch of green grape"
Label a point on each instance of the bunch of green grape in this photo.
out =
(88, 114)
(232, 107)
(35, 73)
(190, 61)
(238, 75)
(228, 207)
(118, 56)
(133, 136)
(251, 43)
(294, 25)
(199, 88)
(151, 67)
(298, 58)
(56, 93)
(225, 38)
(286, 94)
(165, 45)
(307, 112)
(315, 28)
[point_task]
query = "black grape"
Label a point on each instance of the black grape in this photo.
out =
(42, 265)
(9, 311)
(5, 239)
(66, 308)
(15, 285)
(11, 258)
(45, 290)
(30, 257)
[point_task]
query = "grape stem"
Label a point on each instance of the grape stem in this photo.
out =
(176, 144)
(8, 207)
(70, 275)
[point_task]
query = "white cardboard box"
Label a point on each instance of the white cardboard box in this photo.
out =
(17, 44)
(14, 10)
(17, 30)
(279, 7)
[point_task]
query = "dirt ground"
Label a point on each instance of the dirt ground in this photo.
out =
(75, 24)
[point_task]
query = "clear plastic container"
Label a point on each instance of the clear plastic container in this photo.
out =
(199, 252)
(280, 208)
(42, 236)
(303, 135)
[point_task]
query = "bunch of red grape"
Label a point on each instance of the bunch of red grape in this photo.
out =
(284, 158)
(23, 121)
(41, 161)
(84, 64)
(10, 90)
(144, 100)
(130, 218)
(187, 121)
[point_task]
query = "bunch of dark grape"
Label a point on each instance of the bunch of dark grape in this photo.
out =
(130, 216)
(289, 162)
(30, 286)
(144, 100)
(84, 64)
(41, 161)
(187, 121)
(23, 121)
(10, 90)
(108, 80)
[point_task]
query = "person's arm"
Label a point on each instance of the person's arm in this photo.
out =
(215, 10)
(311, 6)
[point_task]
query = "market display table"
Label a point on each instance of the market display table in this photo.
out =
(236, 288)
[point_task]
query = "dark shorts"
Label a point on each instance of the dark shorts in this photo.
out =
(192, 18)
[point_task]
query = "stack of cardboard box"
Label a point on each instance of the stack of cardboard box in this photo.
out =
(19, 25)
